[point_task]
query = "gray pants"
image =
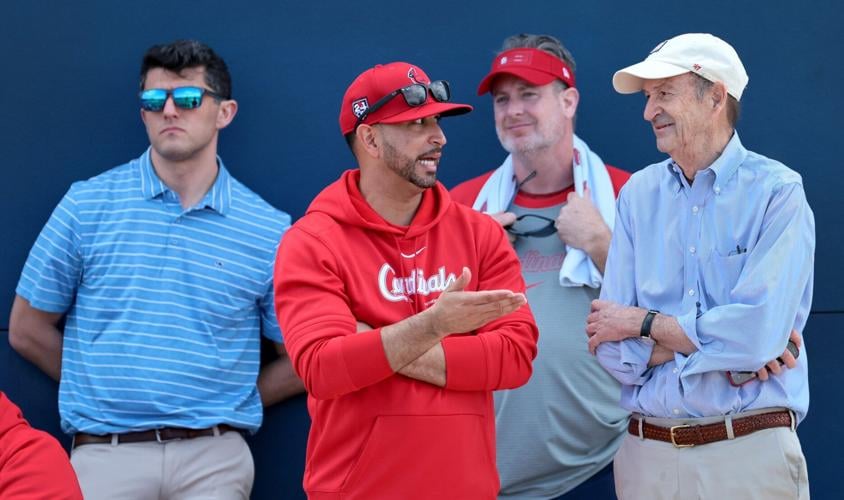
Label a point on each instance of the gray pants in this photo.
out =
(766, 465)
(213, 467)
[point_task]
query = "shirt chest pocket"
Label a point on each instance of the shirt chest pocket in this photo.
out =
(720, 274)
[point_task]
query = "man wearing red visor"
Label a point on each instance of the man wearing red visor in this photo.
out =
(401, 310)
(556, 198)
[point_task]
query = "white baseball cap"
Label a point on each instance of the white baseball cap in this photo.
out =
(700, 53)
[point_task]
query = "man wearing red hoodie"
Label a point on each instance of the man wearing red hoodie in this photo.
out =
(33, 464)
(401, 310)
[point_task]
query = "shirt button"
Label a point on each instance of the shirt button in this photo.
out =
(676, 411)
(692, 249)
(695, 209)
(717, 189)
(674, 370)
(691, 292)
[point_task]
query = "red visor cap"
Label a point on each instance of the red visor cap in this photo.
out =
(534, 66)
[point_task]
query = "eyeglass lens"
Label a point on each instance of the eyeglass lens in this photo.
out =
(183, 97)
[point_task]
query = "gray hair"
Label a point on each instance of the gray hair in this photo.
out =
(702, 86)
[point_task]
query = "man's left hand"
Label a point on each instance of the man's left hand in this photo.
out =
(610, 322)
(579, 223)
(789, 361)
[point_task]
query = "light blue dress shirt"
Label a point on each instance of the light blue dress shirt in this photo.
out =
(731, 256)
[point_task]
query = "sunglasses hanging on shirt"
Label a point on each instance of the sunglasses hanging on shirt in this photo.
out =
(540, 231)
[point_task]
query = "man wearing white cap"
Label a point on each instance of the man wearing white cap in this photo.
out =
(710, 267)
(558, 433)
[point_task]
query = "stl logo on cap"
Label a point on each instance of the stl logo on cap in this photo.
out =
(503, 60)
(360, 106)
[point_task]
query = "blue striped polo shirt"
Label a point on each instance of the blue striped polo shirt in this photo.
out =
(165, 306)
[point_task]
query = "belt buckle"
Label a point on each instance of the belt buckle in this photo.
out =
(674, 441)
(161, 440)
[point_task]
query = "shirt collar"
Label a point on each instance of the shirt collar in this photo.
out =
(733, 156)
(218, 198)
(723, 167)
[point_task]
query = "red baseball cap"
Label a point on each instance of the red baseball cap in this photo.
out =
(534, 66)
(381, 80)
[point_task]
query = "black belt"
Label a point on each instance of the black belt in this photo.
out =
(162, 435)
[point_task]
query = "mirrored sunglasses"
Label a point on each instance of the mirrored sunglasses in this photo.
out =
(183, 97)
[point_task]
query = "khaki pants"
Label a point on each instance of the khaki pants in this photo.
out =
(766, 465)
(213, 467)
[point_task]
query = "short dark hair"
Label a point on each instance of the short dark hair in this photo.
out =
(350, 140)
(183, 54)
(702, 85)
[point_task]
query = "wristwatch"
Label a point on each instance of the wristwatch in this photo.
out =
(645, 331)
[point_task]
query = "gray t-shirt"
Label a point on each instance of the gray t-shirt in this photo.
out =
(565, 424)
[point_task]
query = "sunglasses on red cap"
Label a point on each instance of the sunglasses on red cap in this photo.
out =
(414, 95)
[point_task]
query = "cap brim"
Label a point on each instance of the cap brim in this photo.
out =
(429, 109)
(631, 78)
(530, 75)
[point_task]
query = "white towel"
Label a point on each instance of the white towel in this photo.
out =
(498, 191)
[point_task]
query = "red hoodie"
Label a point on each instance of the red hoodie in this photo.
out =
(33, 464)
(377, 434)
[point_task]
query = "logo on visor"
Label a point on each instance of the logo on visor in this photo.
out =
(566, 73)
(411, 73)
(503, 61)
(520, 58)
(360, 106)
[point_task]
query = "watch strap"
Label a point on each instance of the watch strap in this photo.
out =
(645, 330)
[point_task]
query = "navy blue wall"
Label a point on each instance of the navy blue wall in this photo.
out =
(69, 111)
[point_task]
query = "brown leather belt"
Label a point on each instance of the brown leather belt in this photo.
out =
(683, 436)
(160, 435)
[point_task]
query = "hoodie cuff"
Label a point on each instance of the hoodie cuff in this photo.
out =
(465, 363)
(365, 359)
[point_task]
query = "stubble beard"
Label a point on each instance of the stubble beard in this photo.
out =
(524, 145)
(405, 167)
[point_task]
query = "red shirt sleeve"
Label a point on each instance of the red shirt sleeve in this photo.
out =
(32, 463)
(466, 192)
(618, 178)
(319, 329)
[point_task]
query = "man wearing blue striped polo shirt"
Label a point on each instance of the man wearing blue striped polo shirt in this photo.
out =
(163, 267)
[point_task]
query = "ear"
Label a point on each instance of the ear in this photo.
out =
(226, 112)
(369, 140)
(569, 99)
(718, 96)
